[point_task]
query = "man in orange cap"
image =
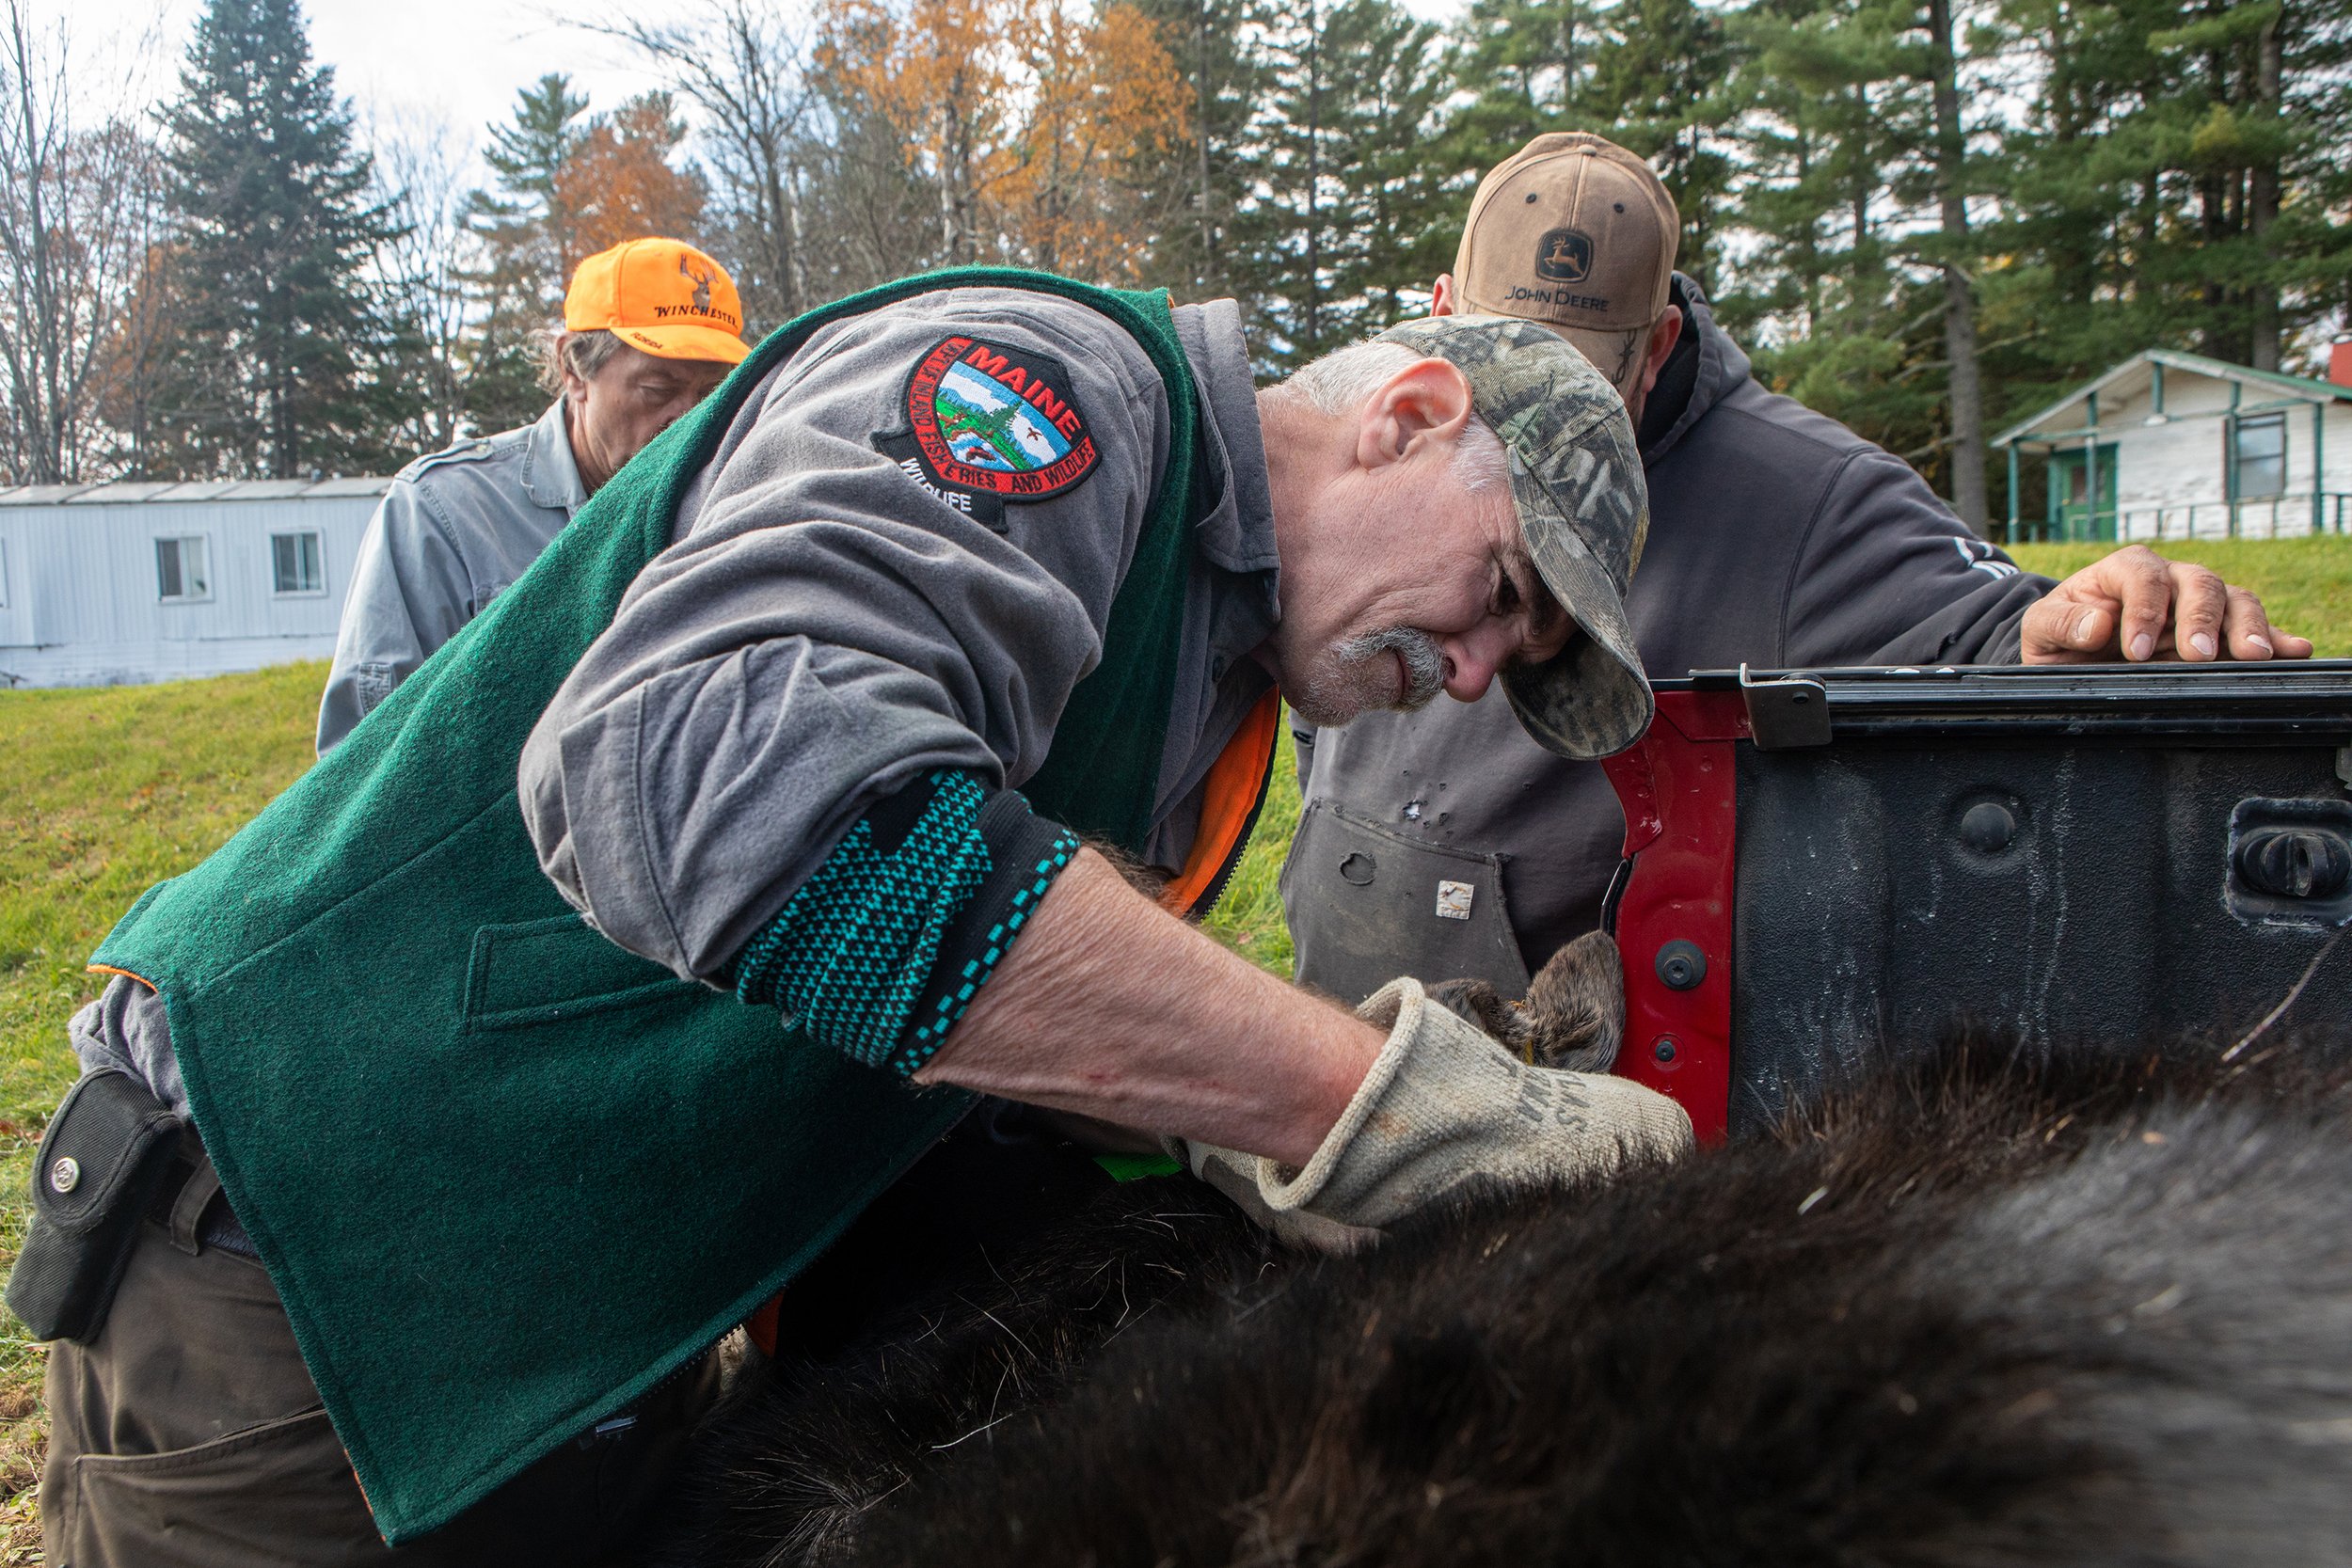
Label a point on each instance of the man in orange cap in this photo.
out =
(650, 327)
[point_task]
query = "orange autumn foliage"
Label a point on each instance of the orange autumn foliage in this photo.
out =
(617, 183)
(1022, 117)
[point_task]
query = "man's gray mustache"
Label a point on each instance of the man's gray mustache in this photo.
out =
(1425, 664)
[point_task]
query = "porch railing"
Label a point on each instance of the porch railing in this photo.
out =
(2272, 517)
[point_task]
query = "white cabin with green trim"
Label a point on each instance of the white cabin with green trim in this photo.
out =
(2169, 445)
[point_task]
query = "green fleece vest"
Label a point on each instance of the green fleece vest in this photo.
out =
(505, 1174)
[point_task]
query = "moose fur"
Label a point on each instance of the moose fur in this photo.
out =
(1983, 1307)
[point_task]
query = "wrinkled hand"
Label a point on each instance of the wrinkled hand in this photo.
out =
(2138, 606)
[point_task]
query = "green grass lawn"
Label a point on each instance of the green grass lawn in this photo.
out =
(2305, 584)
(109, 790)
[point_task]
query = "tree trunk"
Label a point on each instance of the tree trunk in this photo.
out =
(1812, 250)
(1313, 335)
(32, 143)
(954, 176)
(1204, 269)
(1960, 309)
(2073, 250)
(1567, 56)
(2263, 199)
(1858, 196)
(795, 281)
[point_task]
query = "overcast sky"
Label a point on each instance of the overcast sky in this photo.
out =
(456, 63)
(407, 64)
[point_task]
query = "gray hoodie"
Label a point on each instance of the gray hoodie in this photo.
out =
(1447, 843)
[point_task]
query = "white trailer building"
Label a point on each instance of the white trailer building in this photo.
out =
(2175, 446)
(116, 583)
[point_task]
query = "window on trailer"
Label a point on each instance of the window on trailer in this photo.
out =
(2258, 464)
(295, 565)
(180, 572)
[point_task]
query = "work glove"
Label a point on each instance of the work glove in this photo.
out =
(1445, 1106)
(1235, 1174)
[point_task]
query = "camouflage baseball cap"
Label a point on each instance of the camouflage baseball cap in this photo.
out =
(1584, 509)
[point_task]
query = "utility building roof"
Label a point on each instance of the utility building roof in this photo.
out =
(136, 492)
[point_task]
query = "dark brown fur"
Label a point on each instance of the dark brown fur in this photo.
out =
(1982, 1308)
(1574, 1015)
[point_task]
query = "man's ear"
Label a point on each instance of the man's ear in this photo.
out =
(1441, 295)
(1428, 401)
(575, 386)
(1662, 339)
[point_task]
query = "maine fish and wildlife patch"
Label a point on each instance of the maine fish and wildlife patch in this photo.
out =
(990, 426)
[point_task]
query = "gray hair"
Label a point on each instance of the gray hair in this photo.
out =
(583, 353)
(1343, 381)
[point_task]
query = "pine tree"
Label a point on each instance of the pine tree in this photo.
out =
(522, 225)
(1401, 226)
(274, 373)
(1658, 88)
(1648, 74)
(1526, 67)
(2256, 121)
(1832, 314)
(1205, 179)
(1348, 219)
(2176, 180)
(523, 217)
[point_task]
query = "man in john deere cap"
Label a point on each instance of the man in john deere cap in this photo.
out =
(675, 912)
(1577, 233)
(1779, 538)
(649, 328)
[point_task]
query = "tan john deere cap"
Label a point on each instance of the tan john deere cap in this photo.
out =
(661, 295)
(1574, 231)
(1584, 509)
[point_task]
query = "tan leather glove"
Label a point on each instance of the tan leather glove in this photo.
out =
(1445, 1105)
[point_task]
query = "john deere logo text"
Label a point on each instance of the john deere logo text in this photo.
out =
(1564, 256)
(998, 420)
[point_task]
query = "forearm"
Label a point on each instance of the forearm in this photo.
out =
(1110, 1008)
(1889, 576)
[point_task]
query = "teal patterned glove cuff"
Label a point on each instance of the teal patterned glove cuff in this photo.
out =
(882, 949)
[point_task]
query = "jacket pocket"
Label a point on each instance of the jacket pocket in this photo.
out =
(545, 971)
(1366, 905)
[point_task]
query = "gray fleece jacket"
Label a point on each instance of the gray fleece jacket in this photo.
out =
(1777, 537)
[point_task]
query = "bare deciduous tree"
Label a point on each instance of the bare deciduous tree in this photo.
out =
(78, 220)
(421, 269)
(739, 67)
